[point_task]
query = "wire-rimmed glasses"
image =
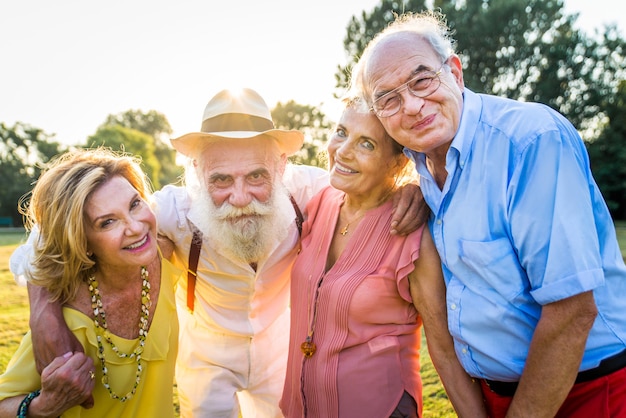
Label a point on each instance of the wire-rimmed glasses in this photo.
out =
(422, 85)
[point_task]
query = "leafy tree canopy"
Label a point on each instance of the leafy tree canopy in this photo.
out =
(312, 122)
(131, 141)
(158, 128)
(24, 150)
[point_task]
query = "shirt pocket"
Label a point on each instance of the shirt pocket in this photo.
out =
(492, 264)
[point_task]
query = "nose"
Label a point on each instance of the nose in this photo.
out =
(240, 195)
(411, 104)
(134, 225)
(344, 150)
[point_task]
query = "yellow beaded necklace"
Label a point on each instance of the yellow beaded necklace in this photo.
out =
(102, 333)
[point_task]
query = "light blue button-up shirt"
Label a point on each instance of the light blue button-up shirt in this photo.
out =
(520, 223)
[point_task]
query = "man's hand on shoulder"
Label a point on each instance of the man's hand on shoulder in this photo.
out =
(410, 210)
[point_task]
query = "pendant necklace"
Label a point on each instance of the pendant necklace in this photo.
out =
(308, 347)
(102, 333)
(344, 230)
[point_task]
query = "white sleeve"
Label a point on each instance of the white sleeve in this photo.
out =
(304, 182)
(172, 204)
(21, 259)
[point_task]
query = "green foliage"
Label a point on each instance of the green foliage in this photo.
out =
(362, 29)
(312, 122)
(608, 155)
(23, 151)
(131, 141)
(157, 126)
(13, 309)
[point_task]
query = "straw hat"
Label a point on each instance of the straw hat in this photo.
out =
(237, 114)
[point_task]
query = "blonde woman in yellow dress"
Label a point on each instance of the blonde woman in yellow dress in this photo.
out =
(97, 254)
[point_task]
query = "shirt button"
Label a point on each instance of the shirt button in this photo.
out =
(438, 221)
(464, 351)
(453, 306)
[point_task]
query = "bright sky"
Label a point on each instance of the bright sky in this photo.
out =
(67, 64)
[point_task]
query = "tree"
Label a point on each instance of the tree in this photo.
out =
(158, 127)
(132, 141)
(362, 29)
(312, 122)
(23, 152)
(608, 155)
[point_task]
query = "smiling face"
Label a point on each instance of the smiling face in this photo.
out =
(120, 226)
(363, 159)
(426, 124)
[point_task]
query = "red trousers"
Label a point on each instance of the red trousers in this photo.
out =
(604, 397)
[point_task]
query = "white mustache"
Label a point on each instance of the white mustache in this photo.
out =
(255, 208)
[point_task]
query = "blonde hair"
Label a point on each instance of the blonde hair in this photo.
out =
(430, 26)
(57, 207)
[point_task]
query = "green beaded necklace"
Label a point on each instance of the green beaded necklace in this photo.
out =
(102, 333)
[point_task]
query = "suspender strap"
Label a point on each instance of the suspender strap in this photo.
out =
(194, 255)
(299, 217)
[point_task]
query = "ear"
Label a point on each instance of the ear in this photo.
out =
(282, 163)
(456, 68)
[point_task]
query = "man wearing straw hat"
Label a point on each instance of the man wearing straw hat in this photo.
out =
(234, 227)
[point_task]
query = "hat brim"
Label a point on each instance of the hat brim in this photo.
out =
(289, 142)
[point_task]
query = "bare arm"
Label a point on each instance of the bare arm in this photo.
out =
(50, 334)
(410, 211)
(429, 297)
(554, 357)
(65, 383)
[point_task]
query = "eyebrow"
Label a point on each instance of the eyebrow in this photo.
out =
(216, 176)
(262, 171)
(109, 215)
(420, 69)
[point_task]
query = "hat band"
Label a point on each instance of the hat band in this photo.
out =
(236, 122)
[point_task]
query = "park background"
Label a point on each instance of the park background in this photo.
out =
(133, 74)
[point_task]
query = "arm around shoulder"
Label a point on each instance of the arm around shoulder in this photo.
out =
(428, 292)
(50, 334)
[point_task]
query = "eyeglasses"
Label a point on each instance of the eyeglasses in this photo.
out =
(422, 85)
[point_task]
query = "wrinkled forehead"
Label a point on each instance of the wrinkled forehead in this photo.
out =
(394, 58)
(240, 155)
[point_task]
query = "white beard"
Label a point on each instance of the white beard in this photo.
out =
(249, 238)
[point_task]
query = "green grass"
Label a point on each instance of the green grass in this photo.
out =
(11, 236)
(620, 228)
(13, 309)
(14, 323)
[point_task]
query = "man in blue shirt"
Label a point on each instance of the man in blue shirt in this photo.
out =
(535, 279)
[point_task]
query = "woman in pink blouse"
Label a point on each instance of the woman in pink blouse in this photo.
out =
(360, 294)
